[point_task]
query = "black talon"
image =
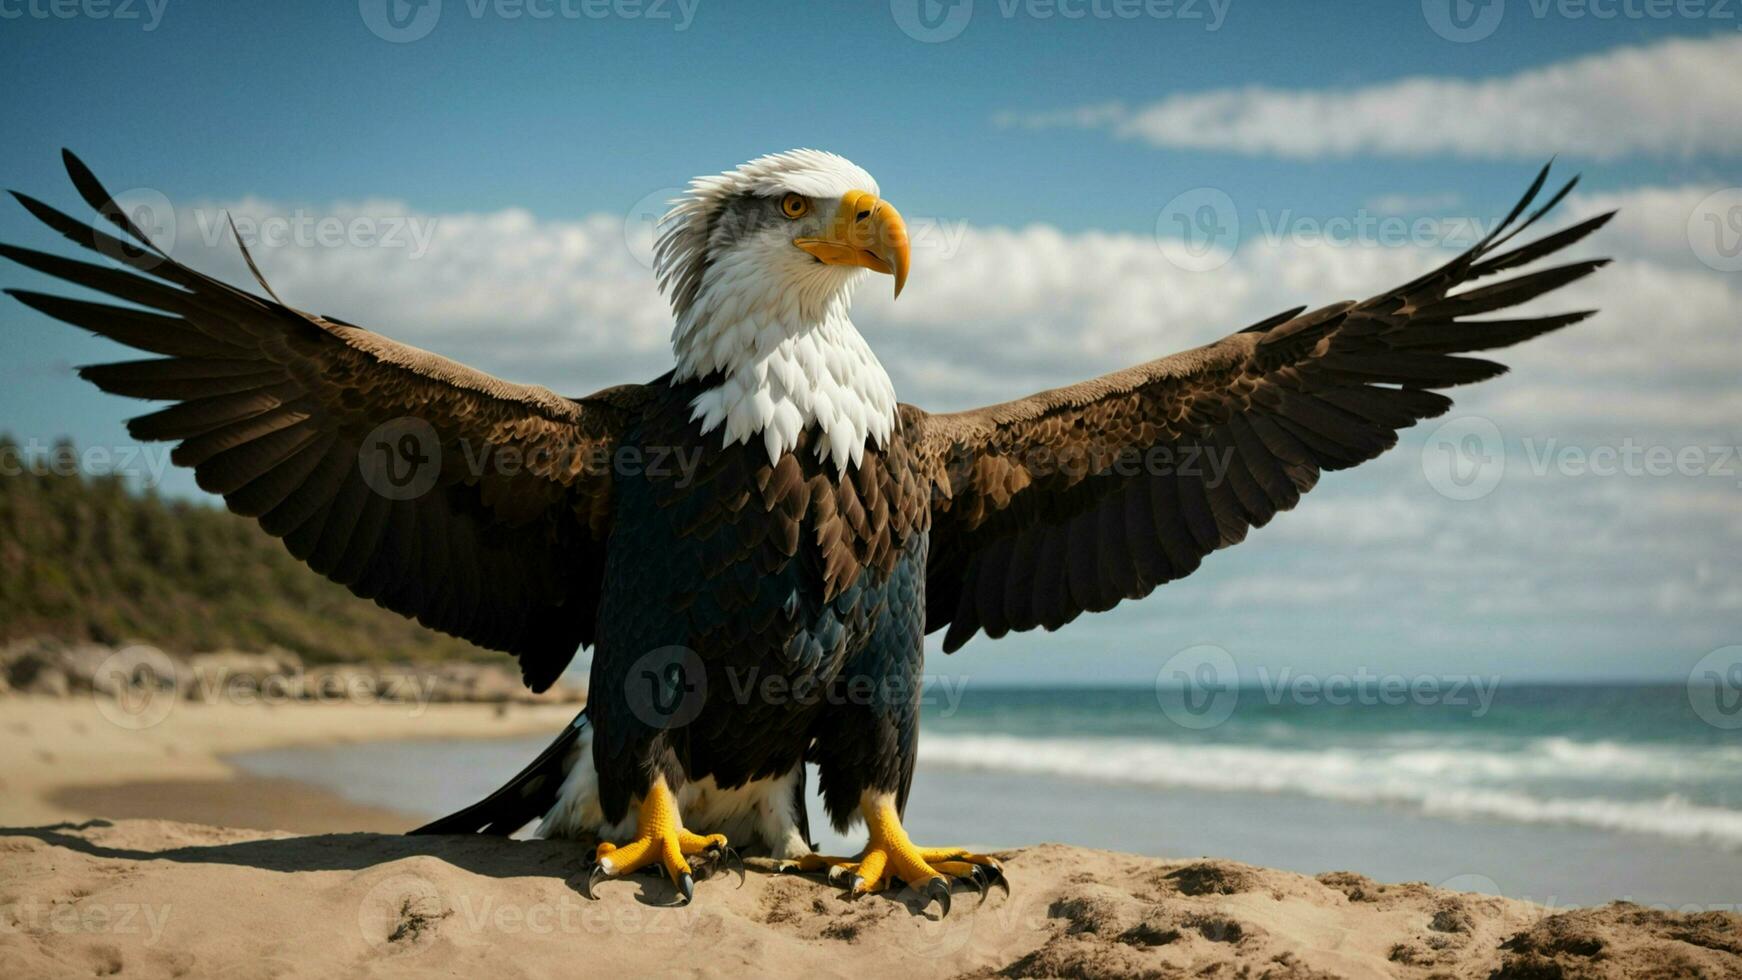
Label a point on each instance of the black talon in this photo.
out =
(853, 884)
(598, 872)
(686, 886)
(733, 859)
(727, 856)
(995, 878)
(938, 888)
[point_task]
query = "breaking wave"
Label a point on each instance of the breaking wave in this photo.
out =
(1602, 785)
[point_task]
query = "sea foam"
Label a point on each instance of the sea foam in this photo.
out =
(1618, 787)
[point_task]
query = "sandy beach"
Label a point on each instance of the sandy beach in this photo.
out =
(68, 759)
(139, 852)
(160, 899)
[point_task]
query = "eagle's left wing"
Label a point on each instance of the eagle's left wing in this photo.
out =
(1072, 499)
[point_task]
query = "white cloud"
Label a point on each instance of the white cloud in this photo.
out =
(1671, 99)
(993, 313)
(1371, 519)
(997, 312)
(1413, 204)
(1289, 590)
(566, 304)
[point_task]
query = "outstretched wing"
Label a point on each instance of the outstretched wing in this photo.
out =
(476, 506)
(1073, 499)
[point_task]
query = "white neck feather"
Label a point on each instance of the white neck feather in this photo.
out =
(791, 359)
(769, 319)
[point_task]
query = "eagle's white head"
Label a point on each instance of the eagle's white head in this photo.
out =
(759, 264)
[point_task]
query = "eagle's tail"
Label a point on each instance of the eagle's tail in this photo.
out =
(526, 797)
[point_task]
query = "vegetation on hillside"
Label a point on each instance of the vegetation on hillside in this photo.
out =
(86, 558)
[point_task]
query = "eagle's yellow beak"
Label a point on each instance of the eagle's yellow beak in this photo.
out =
(868, 232)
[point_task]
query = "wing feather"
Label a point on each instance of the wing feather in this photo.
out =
(273, 409)
(1264, 411)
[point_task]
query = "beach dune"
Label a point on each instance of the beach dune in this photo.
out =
(162, 899)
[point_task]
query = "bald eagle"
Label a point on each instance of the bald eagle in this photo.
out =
(767, 604)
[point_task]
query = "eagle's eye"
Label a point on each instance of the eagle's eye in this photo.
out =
(794, 206)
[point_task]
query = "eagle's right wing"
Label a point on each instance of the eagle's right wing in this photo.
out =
(476, 506)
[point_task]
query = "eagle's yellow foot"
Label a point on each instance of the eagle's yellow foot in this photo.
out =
(890, 856)
(660, 841)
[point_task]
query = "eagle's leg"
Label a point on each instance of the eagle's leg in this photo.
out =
(891, 856)
(659, 837)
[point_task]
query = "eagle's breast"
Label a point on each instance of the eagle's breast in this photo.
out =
(720, 549)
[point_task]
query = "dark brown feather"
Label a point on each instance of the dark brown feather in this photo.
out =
(1281, 401)
(272, 407)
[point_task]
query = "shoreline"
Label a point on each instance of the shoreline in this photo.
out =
(1557, 865)
(243, 801)
(73, 762)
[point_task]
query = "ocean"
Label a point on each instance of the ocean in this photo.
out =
(1562, 794)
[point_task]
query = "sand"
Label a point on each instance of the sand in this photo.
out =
(85, 892)
(69, 759)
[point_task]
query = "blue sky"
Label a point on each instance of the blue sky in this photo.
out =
(1046, 151)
